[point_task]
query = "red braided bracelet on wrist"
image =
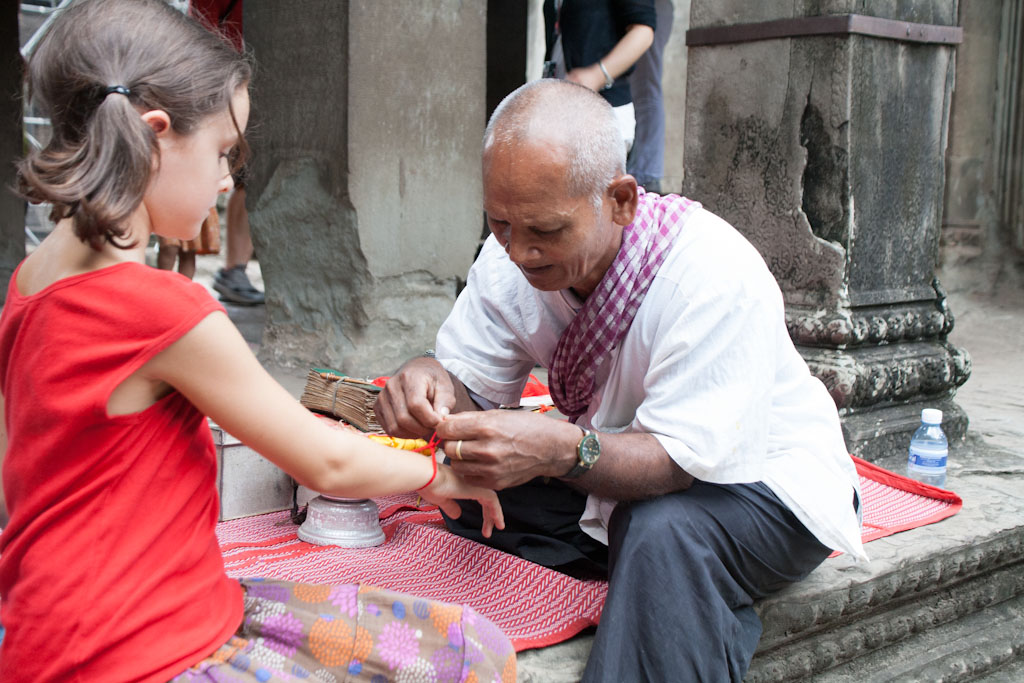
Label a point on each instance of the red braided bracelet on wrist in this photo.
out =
(432, 476)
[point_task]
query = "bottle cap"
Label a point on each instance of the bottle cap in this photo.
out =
(931, 416)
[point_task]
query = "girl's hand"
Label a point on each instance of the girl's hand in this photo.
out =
(448, 487)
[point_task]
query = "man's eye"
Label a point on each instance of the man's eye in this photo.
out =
(545, 232)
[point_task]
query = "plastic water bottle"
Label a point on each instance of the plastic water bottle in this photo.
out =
(929, 450)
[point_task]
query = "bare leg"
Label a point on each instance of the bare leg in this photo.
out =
(187, 264)
(239, 237)
(231, 281)
(165, 256)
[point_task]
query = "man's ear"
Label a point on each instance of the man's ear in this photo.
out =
(158, 120)
(624, 199)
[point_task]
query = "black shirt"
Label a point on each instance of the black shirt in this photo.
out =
(590, 29)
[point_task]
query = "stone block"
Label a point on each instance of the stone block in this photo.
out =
(248, 483)
(917, 582)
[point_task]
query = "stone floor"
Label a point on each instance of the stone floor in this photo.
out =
(987, 300)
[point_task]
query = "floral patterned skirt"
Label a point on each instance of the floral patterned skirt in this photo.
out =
(350, 632)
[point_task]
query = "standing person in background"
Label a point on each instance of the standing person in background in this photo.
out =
(596, 43)
(647, 158)
(231, 282)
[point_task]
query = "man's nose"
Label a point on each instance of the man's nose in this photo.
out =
(518, 249)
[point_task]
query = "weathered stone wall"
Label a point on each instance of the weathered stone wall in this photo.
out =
(12, 209)
(970, 219)
(984, 200)
(827, 152)
(365, 189)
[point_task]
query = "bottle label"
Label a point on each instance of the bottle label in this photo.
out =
(921, 457)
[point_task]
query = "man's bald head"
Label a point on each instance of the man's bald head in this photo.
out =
(567, 115)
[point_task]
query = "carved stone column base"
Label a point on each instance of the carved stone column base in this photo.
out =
(882, 435)
(865, 377)
(881, 390)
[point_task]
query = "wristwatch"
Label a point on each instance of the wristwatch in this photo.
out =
(588, 450)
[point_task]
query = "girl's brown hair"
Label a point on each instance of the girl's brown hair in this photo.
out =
(97, 165)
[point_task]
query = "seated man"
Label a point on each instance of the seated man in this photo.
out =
(702, 467)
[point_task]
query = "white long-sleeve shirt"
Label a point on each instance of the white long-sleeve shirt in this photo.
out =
(707, 368)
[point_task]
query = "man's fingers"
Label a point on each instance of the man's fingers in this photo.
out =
(443, 398)
(421, 411)
(384, 412)
(466, 426)
(396, 412)
(391, 410)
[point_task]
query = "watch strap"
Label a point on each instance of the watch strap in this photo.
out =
(580, 467)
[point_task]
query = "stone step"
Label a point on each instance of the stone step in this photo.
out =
(943, 602)
(1011, 673)
(982, 643)
(849, 618)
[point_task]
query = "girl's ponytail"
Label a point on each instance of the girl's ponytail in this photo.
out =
(99, 178)
(99, 67)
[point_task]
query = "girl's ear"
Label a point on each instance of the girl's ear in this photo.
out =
(158, 120)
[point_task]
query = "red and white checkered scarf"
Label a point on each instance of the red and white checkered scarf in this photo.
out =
(605, 317)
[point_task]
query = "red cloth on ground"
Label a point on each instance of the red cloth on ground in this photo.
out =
(534, 606)
(109, 566)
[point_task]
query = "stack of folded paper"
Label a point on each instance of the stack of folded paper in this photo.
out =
(331, 392)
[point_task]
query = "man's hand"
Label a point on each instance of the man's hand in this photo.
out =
(504, 448)
(499, 449)
(415, 399)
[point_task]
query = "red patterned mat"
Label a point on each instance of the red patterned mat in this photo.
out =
(894, 503)
(535, 606)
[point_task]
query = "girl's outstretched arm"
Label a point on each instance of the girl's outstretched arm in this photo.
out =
(214, 368)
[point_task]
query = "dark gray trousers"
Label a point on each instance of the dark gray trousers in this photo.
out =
(684, 571)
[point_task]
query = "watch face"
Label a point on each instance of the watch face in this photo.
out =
(589, 450)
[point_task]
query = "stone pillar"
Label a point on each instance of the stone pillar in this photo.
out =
(1009, 124)
(984, 198)
(365, 190)
(673, 87)
(970, 215)
(12, 208)
(822, 139)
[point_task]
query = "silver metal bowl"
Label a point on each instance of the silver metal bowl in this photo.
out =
(345, 522)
